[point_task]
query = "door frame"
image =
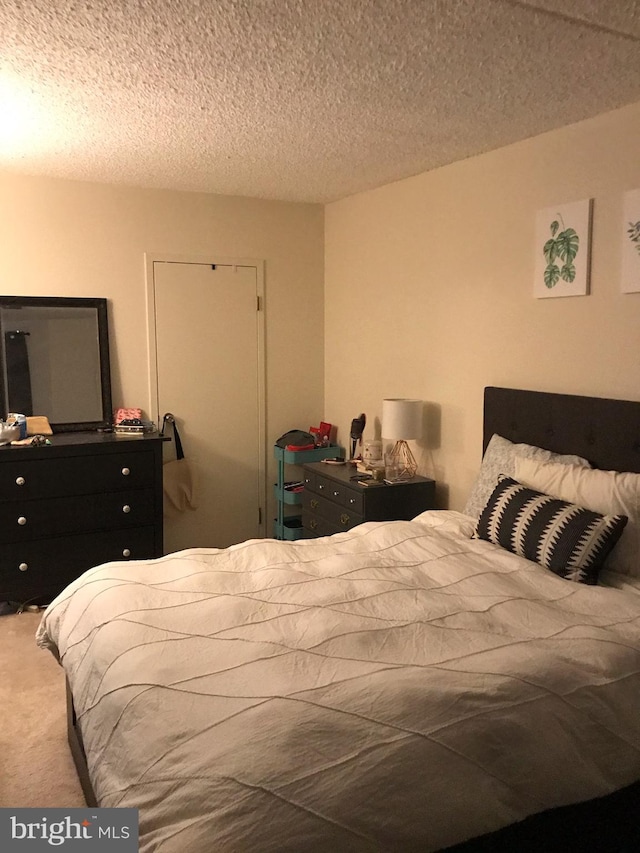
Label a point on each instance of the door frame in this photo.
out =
(152, 353)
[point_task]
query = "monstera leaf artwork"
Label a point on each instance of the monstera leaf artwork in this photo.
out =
(562, 238)
(634, 234)
(631, 243)
(561, 247)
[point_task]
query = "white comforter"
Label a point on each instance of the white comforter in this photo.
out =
(397, 687)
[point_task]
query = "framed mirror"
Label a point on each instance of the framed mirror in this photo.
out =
(54, 354)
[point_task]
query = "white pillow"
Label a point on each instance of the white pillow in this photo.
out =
(607, 492)
(499, 458)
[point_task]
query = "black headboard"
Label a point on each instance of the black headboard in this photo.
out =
(606, 432)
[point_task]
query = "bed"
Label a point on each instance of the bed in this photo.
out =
(403, 686)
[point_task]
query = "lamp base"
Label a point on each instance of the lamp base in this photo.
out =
(400, 463)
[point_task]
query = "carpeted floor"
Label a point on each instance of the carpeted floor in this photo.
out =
(36, 768)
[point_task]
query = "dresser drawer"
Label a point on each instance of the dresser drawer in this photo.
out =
(335, 491)
(353, 500)
(314, 526)
(77, 475)
(44, 567)
(337, 516)
(38, 519)
(323, 485)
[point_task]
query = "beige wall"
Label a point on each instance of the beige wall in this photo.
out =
(428, 290)
(427, 287)
(66, 238)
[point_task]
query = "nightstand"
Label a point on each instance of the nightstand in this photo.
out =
(332, 502)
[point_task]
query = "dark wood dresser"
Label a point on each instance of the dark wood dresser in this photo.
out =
(86, 499)
(332, 502)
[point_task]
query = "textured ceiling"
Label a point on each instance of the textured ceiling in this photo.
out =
(303, 100)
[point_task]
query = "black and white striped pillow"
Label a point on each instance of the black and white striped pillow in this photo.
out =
(571, 541)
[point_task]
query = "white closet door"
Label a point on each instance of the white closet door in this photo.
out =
(208, 365)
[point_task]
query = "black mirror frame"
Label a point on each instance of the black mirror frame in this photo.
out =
(103, 345)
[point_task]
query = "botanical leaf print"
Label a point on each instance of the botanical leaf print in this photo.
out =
(564, 245)
(551, 275)
(568, 244)
(634, 234)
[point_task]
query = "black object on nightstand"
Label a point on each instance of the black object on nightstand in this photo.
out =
(332, 502)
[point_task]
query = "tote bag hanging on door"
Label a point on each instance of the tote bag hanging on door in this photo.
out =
(178, 482)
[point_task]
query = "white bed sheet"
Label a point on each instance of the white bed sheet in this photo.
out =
(396, 687)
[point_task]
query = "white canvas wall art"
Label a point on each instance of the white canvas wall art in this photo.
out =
(631, 242)
(562, 248)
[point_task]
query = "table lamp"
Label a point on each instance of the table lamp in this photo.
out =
(402, 420)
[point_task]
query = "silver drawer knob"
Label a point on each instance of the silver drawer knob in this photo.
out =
(22, 520)
(23, 567)
(126, 472)
(20, 481)
(335, 494)
(126, 508)
(126, 553)
(320, 487)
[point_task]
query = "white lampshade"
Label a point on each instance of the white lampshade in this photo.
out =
(402, 419)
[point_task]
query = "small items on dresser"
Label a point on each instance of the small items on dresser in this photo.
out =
(19, 421)
(123, 414)
(23, 431)
(31, 441)
(38, 425)
(9, 432)
(372, 460)
(129, 422)
(355, 434)
(372, 450)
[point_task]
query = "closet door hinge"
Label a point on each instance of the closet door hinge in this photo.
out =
(258, 303)
(259, 515)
